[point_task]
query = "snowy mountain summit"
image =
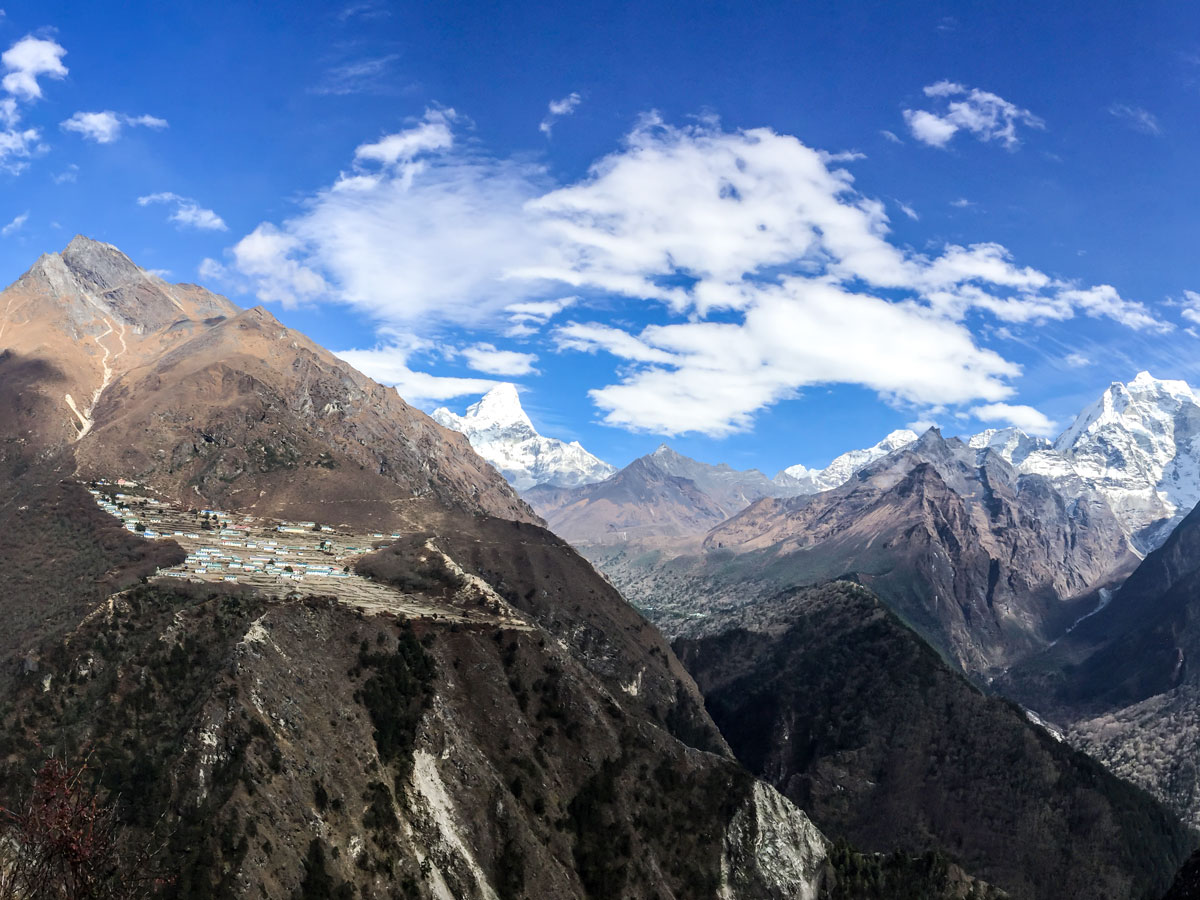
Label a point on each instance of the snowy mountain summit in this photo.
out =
(802, 480)
(1138, 446)
(502, 433)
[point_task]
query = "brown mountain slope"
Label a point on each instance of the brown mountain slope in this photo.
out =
(987, 564)
(522, 733)
(93, 315)
(215, 406)
(660, 495)
(250, 415)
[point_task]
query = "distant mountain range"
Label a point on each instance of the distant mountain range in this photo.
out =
(1137, 446)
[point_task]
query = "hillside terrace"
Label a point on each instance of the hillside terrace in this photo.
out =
(284, 559)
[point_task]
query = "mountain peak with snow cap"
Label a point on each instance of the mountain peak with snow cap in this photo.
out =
(838, 472)
(503, 434)
(500, 406)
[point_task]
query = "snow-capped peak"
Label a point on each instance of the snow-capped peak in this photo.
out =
(1137, 446)
(499, 406)
(1011, 443)
(839, 471)
(501, 432)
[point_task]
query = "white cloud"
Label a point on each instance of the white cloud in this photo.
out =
(28, 60)
(891, 136)
(961, 203)
(557, 109)
(1191, 307)
(928, 128)
(410, 236)
(908, 211)
(389, 365)
(712, 377)
(186, 212)
(981, 113)
(68, 175)
(431, 134)
(17, 147)
(1136, 117)
(487, 358)
(1103, 301)
(528, 316)
(24, 63)
(773, 272)
(1077, 360)
(15, 225)
(105, 127)
(1028, 419)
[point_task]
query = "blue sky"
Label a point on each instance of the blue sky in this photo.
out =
(764, 233)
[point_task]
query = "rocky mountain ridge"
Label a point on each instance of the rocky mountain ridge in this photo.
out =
(838, 472)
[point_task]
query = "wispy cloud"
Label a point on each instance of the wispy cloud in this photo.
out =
(1136, 117)
(357, 77)
(987, 116)
(186, 212)
(366, 10)
(557, 109)
(105, 127)
(15, 225)
(490, 360)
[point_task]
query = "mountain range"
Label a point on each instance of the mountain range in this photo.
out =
(1137, 446)
(304, 641)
